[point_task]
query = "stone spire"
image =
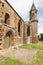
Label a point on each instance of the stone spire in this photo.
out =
(33, 7)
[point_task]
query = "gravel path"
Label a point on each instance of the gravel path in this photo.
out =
(19, 53)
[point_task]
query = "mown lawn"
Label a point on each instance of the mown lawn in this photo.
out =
(39, 45)
(10, 61)
(38, 60)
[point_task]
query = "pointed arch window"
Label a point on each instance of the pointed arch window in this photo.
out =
(18, 28)
(28, 31)
(7, 18)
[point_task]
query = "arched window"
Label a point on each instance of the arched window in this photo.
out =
(18, 28)
(6, 17)
(28, 31)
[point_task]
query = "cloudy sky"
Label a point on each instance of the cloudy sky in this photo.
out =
(23, 7)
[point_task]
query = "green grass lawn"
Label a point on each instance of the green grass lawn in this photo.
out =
(10, 61)
(33, 46)
(38, 60)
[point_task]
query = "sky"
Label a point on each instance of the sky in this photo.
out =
(23, 7)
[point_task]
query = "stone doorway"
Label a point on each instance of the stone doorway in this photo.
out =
(8, 40)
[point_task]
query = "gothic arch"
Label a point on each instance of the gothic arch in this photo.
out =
(9, 37)
(28, 31)
(19, 28)
(10, 32)
(7, 16)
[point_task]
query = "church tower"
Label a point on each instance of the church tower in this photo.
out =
(34, 24)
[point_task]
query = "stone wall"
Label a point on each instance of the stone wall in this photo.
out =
(11, 24)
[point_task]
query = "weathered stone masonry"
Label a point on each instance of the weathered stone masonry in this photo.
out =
(13, 30)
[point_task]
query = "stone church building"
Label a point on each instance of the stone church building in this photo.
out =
(13, 29)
